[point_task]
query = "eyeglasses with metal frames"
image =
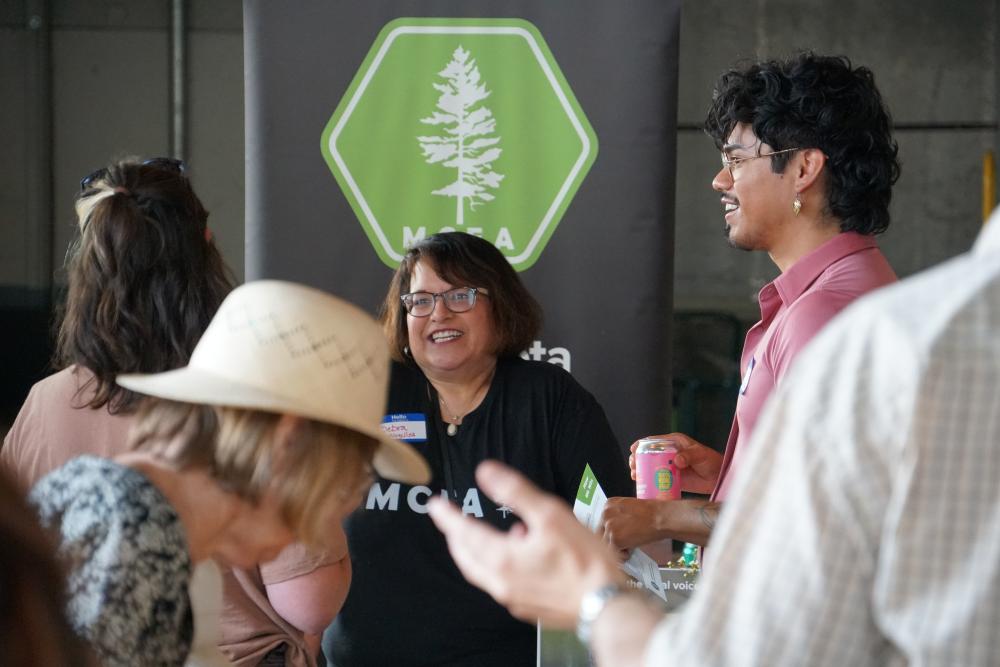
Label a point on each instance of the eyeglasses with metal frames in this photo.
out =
(458, 300)
(732, 163)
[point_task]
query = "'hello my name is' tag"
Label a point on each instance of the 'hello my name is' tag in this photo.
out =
(408, 427)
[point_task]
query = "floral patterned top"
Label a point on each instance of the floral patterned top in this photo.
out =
(128, 561)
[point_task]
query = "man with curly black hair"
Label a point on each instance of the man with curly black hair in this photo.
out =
(808, 165)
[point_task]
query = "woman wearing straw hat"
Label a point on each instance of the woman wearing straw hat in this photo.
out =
(265, 437)
(457, 317)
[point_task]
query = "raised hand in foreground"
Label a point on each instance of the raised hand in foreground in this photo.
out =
(542, 567)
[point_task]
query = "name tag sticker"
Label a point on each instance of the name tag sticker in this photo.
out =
(408, 427)
(746, 376)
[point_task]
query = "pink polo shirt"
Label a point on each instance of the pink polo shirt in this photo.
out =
(793, 309)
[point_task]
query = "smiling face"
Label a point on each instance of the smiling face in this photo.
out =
(449, 345)
(757, 201)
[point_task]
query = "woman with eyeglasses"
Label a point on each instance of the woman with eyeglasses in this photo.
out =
(457, 317)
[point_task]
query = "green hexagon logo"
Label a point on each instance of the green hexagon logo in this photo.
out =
(464, 124)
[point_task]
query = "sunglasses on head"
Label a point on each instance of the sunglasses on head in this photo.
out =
(164, 163)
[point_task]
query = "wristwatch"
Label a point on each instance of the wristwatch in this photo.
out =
(591, 606)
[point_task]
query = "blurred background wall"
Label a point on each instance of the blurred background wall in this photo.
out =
(84, 81)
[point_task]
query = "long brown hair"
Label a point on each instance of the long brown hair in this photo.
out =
(144, 278)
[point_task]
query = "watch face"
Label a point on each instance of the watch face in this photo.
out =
(592, 605)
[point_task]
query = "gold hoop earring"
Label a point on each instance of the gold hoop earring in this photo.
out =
(797, 204)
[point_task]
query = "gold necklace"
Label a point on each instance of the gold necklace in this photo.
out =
(456, 419)
(453, 426)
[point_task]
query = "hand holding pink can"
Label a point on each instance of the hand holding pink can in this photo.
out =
(656, 474)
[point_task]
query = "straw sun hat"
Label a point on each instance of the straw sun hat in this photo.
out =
(286, 348)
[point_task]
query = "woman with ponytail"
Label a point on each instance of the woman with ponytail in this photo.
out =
(144, 279)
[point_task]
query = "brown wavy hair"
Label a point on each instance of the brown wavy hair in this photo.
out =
(144, 278)
(824, 102)
(465, 260)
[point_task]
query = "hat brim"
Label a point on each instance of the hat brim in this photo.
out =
(393, 459)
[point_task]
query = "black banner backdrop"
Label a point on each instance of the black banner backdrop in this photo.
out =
(352, 114)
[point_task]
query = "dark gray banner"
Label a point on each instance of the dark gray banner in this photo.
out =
(546, 127)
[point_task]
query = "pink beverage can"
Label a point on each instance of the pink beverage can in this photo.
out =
(656, 474)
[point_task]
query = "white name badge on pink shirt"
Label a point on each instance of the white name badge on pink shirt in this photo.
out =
(746, 376)
(408, 427)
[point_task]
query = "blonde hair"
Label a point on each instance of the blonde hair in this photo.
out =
(315, 470)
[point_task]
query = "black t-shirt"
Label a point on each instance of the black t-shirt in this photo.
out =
(408, 604)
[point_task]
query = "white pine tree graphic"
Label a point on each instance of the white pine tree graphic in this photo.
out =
(464, 145)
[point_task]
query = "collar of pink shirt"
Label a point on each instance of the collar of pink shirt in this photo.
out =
(791, 284)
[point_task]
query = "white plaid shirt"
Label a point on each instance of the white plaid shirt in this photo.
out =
(864, 528)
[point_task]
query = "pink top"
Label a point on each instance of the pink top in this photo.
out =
(793, 309)
(55, 425)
